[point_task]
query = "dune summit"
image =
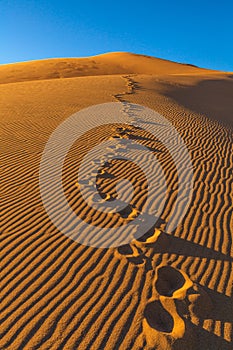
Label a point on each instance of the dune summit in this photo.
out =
(105, 64)
(161, 291)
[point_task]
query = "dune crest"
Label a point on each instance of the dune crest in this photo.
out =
(105, 64)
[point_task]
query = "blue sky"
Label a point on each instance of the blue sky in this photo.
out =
(197, 32)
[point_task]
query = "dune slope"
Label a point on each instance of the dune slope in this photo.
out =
(105, 64)
(162, 291)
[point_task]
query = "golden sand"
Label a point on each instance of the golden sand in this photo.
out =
(163, 291)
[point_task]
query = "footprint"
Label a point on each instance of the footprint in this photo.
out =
(135, 252)
(123, 131)
(165, 313)
(105, 174)
(161, 317)
(168, 281)
(132, 253)
(125, 250)
(158, 318)
(171, 282)
(129, 213)
(150, 237)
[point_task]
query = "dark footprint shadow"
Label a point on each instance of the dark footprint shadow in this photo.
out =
(132, 253)
(150, 237)
(168, 281)
(128, 212)
(125, 250)
(158, 318)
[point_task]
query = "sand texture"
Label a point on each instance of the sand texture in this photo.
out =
(161, 291)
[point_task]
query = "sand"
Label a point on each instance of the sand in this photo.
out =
(162, 291)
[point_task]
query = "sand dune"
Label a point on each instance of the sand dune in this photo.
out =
(161, 291)
(106, 64)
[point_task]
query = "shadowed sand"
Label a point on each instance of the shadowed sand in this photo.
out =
(162, 291)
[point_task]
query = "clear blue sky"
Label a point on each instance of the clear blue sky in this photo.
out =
(198, 32)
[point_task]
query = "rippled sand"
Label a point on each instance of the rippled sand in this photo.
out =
(162, 291)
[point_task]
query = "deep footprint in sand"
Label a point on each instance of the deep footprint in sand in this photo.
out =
(129, 213)
(132, 253)
(175, 301)
(158, 318)
(171, 282)
(162, 313)
(135, 252)
(149, 238)
(168, 281)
